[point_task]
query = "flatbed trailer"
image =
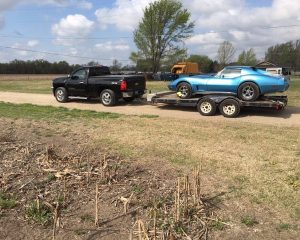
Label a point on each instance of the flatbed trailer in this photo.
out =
(229, 105)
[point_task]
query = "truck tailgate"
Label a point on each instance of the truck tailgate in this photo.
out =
(135, 82)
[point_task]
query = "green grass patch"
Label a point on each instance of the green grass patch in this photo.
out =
(249, 221)
(24, 86)
(6, 201)
(39, 213)
(283, 227)
(17, 111)
(149, 116)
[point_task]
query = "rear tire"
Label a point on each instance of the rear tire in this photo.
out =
(248, 91)
(184, 90)
(206, 107)
(108, 98)
(61, 95)
(230, 108)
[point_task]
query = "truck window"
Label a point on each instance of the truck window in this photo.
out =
(99, 71)
(79, 75)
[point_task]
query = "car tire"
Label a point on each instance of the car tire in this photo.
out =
(61, 95)
(248, 91)
(128, 99)
(206, 107)
(230, 108)
(108, 98)
(184, 90)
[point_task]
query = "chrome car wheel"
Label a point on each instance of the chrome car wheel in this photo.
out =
(60, 95)
(106, 98)
(184, 91)
(248, 92)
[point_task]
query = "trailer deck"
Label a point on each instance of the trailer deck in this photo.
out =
(274, 102)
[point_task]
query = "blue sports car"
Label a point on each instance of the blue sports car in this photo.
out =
(248, 83)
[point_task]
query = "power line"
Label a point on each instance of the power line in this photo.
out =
(129, 37)
(64, 55)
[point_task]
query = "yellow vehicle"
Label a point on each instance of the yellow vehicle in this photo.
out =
(185, 68)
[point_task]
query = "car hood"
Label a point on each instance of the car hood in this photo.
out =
(59, 80)
(203, 76)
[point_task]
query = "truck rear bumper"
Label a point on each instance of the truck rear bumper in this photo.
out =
(133, 93)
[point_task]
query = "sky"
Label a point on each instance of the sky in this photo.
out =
(80, 31)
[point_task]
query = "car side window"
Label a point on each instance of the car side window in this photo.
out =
(79, 75)
(231, 73)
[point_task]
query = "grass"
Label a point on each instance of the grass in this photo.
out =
(249, 221)
(6, 201)
(256, 166)
(39, 214)
(17, 111)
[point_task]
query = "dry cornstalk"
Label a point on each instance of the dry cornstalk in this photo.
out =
(56, 222)
(126, 202)
(154, 224)
(178, 201)
(96, 206)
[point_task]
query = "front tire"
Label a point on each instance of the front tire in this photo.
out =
(230, 108)
(108, 98)
(248, 91)
(184, 90)
(206, 107)
(61, 95)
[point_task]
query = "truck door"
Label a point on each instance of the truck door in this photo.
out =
(77, 83)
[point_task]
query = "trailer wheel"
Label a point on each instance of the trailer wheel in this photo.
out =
(230, 108)
(184, 90)
(206, 107)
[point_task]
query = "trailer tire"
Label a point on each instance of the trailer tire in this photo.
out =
(207, 107)
(184, 90)
(230, 108)
(248, 91)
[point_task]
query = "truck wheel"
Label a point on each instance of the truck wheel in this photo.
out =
(108, 98)
(184, 90)
(248, 91)
(129, 99)
(61, 95)
(230, 108)
(206, 107)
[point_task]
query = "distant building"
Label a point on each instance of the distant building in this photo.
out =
(273, 68)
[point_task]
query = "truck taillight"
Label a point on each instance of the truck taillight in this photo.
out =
(123, 86)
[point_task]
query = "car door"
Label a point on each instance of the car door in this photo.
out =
(225, 81)
(77, 83)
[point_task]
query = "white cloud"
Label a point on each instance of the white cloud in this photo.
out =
(125, 14)
(32, 43)
(73, 26)
(76, 26)
(110, 46)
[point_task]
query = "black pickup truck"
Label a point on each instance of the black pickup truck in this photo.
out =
(95, 82)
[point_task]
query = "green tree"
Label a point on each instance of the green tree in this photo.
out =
(204, 62)
(165, 24)
(247, 58)
(226, 53)
(285, 54)
(173, 57)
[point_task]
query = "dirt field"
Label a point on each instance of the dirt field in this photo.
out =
(249, 173)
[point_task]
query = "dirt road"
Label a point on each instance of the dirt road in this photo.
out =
(289, 117)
